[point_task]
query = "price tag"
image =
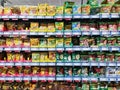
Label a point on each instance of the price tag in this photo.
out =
(7, 33)
(5, 16)
(2, 78)
(114, 15)
(69, 49)
(49, 17)
(24, 33)
(33, 33)
(42, 49)
(77, 16)
(94, 16)
(2, 64)
(31, 17)
(118, 63)
(76, 48)
(9, 64)
(77, 78)
(8, 49)
(104, 48)
(85, 79)
(94, 79)
(68, 64)
(18, 78)
(13, 16)
(95, 33)
(43, 64)
(59, 33)
(85, 16)
(68, 78)
(60, 78)
(76, 33)
(41, 33)
(85, 64)
(40, 17)
(23, 16)
(95, 49)
(114, 33)
(35, 78)
(58, 16)
(1, 33)
(77, 64)
(115, 48)
(1, 48)
(105, 15)
(51, 33)
(59, 49)
(86, 48)
(9, 78)
(51, 49)
(34, 64)
(68, 32)
(103, 79)
(25, 49)
(15, 33)
(103, 64)
(16, 49)
(111, 64)
(26, 78)
(118, 79)
(67, 16)
(18, 64)
(42, 78)
(51, 64)
(26, 64)
(105, 33)
(94, 64)
(60, 64)
(85, 33)
(34, 49)
(112, 79)
(51, 78)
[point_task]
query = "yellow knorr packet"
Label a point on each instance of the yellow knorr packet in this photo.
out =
(43, 27)
(33, 10)
(51, 27)
(34, 26)
(24, 10)
(42, 11)
(7, 10)
(51, 10)
(59, 10)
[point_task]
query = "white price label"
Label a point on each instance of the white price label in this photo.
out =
(94, 64)
(104, 48)
(33, 17)
(18, 64)
(33, 33)
(86, 48)
(68, 78)
(24, 33)
(27, 78)
(34, 49)
(2, 78)
(51, 78)
(103, 79)
(77, 16)
(94, 79)
(42, 78)
(77, 64)
(118, 64)
(111, 64)
(85, 64)
(51, 64)
(7, 33)
(17, 49)
(8, 49)
(15, 33)
(59, 49)
(26, 49)
(85, 33)
(69, 49)
(67, 16)
(41, 33)
(43, 64)
(102, 64)
(5, 17)
(50, 33)
(1, 33)
(2, 64)
(68, 33)
(49, 17)
(9, 64)
(22, 16)
(114, 33)
(43, 49)
(1, 49)
(35, 78)
(76, 79)
(59, 16)
(13, 16)
(26, 64)
(114, 15)
(95, 32)
(112, 79)
(60, 78)
(114, 48)
(59, 33)
(51, 49)
(76, 49)
(40, 17)
(60, 64)
(95, 48)
(9, 78)
(105, 15)
(85, 79)
(18, 78)
(105, 33)
(34, 64)
(68, 64)
(94, 16)
(85, 16)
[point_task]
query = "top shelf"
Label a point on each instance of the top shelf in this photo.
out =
(98, 16)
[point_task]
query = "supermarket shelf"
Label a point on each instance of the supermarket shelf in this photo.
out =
(79, 48)
(58, 78)
(64, 33)
(99, 16)
(92, 63)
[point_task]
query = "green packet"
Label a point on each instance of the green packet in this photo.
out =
(117, 56)
(60, 57)
(60, 71)
(93, 2)
(94, 10)
(68, 4)
(91, 56)
(110, 57)
(85, 86)
(100, 56)
(67, 57)
(76, 9)
(85, 9)
(105, 8)
(84, 41)
(111, 41)
(77, 71)
(76, 56)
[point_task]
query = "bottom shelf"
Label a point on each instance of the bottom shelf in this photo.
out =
(58, 86)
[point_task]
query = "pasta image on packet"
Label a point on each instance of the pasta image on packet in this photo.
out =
(33, 10)
(59, 42)
(43, 42)
(52, 57)
(59, 10)
(76, 9)
(51, 42)
(59, 26)
(34, 26)
(24, 9)
(51, 10)
(43, 57)
(35, 57)
(34, 42)
(42, 9)
(51, 27)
